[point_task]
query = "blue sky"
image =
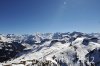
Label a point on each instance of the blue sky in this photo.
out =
(29, 16)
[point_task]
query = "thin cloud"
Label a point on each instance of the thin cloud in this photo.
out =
(65, 3)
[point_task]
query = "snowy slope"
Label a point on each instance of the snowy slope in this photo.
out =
(78, 50)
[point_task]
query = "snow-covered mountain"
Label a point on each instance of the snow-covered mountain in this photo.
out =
(50, 49)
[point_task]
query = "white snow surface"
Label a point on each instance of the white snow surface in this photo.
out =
(68, 53)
